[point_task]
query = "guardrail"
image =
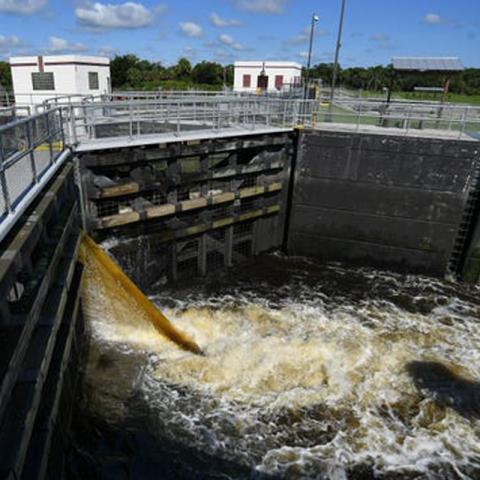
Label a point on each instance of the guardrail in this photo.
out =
(90, 121)
(29, 152)
(30, 146)
(134, 118)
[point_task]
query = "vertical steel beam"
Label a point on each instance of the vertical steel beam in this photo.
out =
(228, 246)
(202, 254)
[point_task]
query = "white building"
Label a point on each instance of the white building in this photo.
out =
(269, 76)
(36, 79)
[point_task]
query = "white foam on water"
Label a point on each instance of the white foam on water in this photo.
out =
(296, 386)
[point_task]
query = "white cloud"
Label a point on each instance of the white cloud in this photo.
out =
(323, 57)
(218, 21)
(57, 45)
(380, 37)
(226, 39)
(106, 15)
(191, 29)
(432, 18)
(107, 51)
(223, 56)
(304, 35)
(272, 7)
(239, 47)
(230, 42)
(22, 7)
(9, 42)
(190, 52)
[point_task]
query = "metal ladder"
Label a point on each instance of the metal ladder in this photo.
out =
(464, 232)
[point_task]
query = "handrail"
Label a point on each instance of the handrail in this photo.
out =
(31, 150)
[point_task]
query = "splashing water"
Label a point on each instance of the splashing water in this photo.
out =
(310, 372)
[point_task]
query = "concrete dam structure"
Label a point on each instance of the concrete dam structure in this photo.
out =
(181, 189)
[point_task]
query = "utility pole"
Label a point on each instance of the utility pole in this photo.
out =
(335, 65)
(309, 61)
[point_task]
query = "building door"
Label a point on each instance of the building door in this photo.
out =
(262, 82)
(278, 82)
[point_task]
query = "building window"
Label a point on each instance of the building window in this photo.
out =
(247, 81)
(43, 81)
(278, 82)
(93, 80)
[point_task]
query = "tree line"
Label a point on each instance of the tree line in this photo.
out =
(377, 77)
(128, 72)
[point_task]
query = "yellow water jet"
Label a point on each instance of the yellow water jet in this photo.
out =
(91, 255)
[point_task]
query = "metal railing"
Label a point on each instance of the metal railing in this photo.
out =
(135, 118)
(29, 148)
(90, 121)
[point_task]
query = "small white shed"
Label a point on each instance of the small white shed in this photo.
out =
(36, 79)
(269, 76)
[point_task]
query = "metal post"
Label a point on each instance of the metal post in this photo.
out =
(3, 180)
(309, 61)
(337, 53)
(130, 122)
(178, 118)
(407, 127)
(202, 255)
(72, 125)
(62, 128)
(464, 121)
(254, 115)
(228, 246)
(49, 136)
(29, 146)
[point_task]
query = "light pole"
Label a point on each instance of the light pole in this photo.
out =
(335, 65)
(309, 61)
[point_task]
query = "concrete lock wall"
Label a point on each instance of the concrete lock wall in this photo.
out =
(386, 201)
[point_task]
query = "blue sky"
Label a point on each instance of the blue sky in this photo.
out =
(228, 30)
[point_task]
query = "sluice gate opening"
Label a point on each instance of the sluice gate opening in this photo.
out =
(188, 208)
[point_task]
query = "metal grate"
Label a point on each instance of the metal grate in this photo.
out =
(243, 248)
(218, 212)
(249, 180)
(215, 261)
(189, 249)
(242, 228)
(112, 207)
(247, 204)
(156, 197)
(187, 268)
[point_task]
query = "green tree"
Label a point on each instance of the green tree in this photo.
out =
(183, 69)
(135, 78)
(119, 67)
(5, 76)
(210, 73)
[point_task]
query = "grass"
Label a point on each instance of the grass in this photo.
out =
(451, 97)
(341, 115)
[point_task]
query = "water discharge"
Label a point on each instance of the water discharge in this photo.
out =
(310, 372)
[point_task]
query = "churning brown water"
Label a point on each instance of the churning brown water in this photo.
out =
(310, 372)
